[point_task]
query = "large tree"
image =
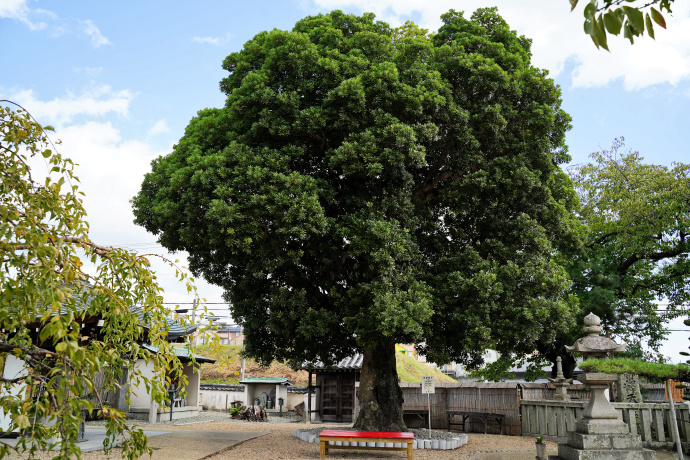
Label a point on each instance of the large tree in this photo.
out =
(637, 246)
(635, 230)
(365, 185)
(66, 304)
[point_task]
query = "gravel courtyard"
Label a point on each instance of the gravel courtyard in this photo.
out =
(277, 442)
(213, 436)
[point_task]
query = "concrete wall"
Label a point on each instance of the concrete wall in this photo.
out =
(222, 396)
(219, 399)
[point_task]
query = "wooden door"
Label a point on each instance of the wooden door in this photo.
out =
(337, 403)
(347, 397)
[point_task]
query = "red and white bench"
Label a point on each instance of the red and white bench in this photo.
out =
(357, 437)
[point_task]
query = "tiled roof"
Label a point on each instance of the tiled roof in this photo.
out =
(353, 362)
(182, 354)
(276, 380)
(220, 387)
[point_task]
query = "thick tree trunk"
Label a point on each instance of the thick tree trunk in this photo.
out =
(380, 396)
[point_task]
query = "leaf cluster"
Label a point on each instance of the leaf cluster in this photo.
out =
(633, 20)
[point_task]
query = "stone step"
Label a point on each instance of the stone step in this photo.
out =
(605, 441)
(566, 452)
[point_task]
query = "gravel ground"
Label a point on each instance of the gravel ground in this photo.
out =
(206, 416)
(279, 443)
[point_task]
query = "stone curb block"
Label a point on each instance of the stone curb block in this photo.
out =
(433, 444)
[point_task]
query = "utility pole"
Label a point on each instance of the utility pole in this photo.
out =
(242, 366)
(194, 305)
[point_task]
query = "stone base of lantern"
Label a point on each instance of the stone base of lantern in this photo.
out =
(602, 440)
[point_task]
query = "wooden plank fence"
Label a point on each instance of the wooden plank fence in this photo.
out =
(652, 421)
(528, 410)
(496, 398)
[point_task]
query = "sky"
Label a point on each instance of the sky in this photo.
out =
(120, 81)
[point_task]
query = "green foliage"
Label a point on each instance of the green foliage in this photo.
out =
(679, 372)
(364, 184)
(610, 18)
(50, 304)
(235, 411)
(638, 219)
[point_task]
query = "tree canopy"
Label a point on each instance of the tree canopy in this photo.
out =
(634, 18)
(365, 185)
(66, 303)
(636, 252)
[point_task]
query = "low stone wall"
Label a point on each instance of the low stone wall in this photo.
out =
(217, 396)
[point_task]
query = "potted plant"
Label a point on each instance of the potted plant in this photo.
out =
(541, 448)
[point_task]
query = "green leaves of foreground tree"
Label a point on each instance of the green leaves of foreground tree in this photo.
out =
(50, 305)
(633, 18)
(638, 221)
(365, 186)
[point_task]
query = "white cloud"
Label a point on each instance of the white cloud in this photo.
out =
(17, 9)
(90, 71)
(40, 19)
(97, 38)
(111, 170)
(217, 41)
(160, 127)
(558, 38)
(97, 101)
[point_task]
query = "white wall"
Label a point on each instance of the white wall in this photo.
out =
(193, 382)
(140, 398)
(14, 368)
(315, 417)
(217, 399)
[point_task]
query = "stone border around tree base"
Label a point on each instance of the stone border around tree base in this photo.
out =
(437, 444)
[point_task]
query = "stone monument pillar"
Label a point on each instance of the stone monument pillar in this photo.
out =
(561, 383)
(629, 388)
(600, 433)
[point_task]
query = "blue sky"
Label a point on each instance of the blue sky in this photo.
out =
(121, 80)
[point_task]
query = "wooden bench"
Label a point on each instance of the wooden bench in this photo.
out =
(365, 436)
(483, 416)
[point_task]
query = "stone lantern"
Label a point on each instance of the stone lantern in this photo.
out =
(600, 433)
(561, 383)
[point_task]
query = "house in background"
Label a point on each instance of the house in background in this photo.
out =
(141, 406)
(263, 389)
(406, 349)
(237, 340)
(186, 401)
(227, 335)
